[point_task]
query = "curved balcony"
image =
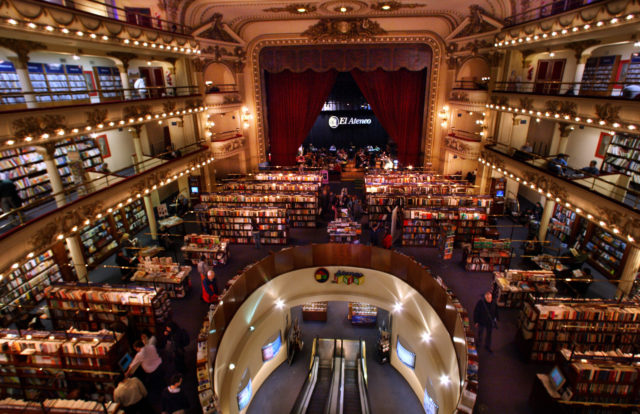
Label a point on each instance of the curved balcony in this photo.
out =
(37, 219)
(546, 10)
(613, 90)
(609, 197)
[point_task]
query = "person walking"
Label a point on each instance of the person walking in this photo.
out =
(131, 394)
(485, 318)
(203, 268)
(255, 233)
(10, 200)
(210, 288)
(174, 400)
(149, 362)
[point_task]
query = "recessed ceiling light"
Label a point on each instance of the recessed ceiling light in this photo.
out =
(302, 10)
(385, 7)
(343, 9)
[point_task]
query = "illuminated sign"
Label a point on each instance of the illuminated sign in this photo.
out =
(335, 121)
(321, 275)
(405, 356)
(340, 276)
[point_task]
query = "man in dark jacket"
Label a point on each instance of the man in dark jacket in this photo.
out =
(9, 198)
(485, 318)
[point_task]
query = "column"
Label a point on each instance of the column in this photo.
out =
(565, 130)
(77, 258)
(579, 71)
(629, 271)
(183, 185)
(484, 173)
(124, 77)
(549, 205)
(205, 172)
(53, 173)
(137, 146)
(153, 224)
(25, 81)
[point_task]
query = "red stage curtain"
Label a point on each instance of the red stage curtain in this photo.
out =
(294, 101)
(397, 100)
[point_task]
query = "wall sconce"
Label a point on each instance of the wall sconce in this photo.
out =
(246, 117)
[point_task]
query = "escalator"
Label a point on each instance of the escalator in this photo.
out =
(317, 394)
(354, 396)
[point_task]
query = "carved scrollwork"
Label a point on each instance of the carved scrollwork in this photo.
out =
(344, 29)
(45, 237)
(389, 6)
(526, 103)
(562, 107)
(294, 8)
(135, 111)
(34, 126)
(96, 117)
(608, 112)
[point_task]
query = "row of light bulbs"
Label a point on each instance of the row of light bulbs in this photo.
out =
(131, 121)
(548, 195)
(553, 34)
(146, 191)
(80, 34)
(563, 117)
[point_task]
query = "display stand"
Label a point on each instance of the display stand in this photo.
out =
(163, 273)
(344, 231)
(362, 313)
(315, 311)
(447, 237)
(210, 247)
(59, 406)
(487, 255)
(513, 286)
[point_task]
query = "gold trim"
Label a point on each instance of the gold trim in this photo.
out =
(428, 128)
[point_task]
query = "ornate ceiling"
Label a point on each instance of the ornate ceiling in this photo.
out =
(237, 14)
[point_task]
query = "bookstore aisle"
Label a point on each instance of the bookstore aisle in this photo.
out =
(505, 378)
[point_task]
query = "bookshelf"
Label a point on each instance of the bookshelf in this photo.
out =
(59, 361)
(215, 252)
(93, 306)
(362, 313)
(22, 285)
(315, 311)
(130, 219)
(607, 253)
(233, 224)
(108, 78)
(446, 240)
(598, 74)
(633, 70)
(77, 82)
(487, 255)
(563, 223)
(297, 177)
(208, 402)
(10, 84)
(421, 225)
(163, 273)
(513, 286)
(498, 192)
(98, 241)
(26, 168)
(623, 156)
(256, 186)
(301, 208)
(38, 81)
(380, 207)
(547, 325)
(58, 406)
(344, 231)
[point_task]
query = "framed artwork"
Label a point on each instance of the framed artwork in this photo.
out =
(603, 143)
(103, 144)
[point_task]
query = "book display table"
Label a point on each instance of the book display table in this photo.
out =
(214, 251)
(344, 231)
(513, 286)
(163, 272)
(315, 311)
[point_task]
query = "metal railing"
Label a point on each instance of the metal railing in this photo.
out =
(130, 15)
(471, 85)
(622, 90)
(80, 97)
(226, 135)
(222, 88)
(546, 10)
(40, 206)
(604, 184)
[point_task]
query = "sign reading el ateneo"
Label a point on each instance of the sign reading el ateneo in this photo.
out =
(340, 276)
(335, 121)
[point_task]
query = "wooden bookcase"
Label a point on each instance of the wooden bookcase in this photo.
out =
(315, 311)
(57, 361)
(623, 156)
(22, 285)
(233, 224)
(26, 168)
(607, 253)
(93, 306)
(163, 273)
(98, 240)
(487, 255)
(108, 77)
(563, 223)
(547, 325)
(499, 193)
(215, 252)
(58, 406)
(598, 75)
(344, 231)
(421, 225)
(301, 208)
(362, 313)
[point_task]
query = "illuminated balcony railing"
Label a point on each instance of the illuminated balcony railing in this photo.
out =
(546, 10)
(621, 90)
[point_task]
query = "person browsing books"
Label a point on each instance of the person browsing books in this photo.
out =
(149, 362)
(210, 288)
(485, 318)
(174, 400)
(131, 394)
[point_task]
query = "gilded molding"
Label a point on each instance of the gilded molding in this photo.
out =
(343, 29)
(431, 98)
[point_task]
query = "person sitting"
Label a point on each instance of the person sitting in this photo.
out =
(592, 168)
(526, 147)
(125, 264)
(557, 164)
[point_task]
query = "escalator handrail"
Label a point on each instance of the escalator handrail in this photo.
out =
(362, 380)
(329, 407)
(304, 396)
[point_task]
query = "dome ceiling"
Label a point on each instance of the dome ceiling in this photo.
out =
(238, 13)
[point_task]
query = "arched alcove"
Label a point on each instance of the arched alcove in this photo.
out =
(219, 74)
